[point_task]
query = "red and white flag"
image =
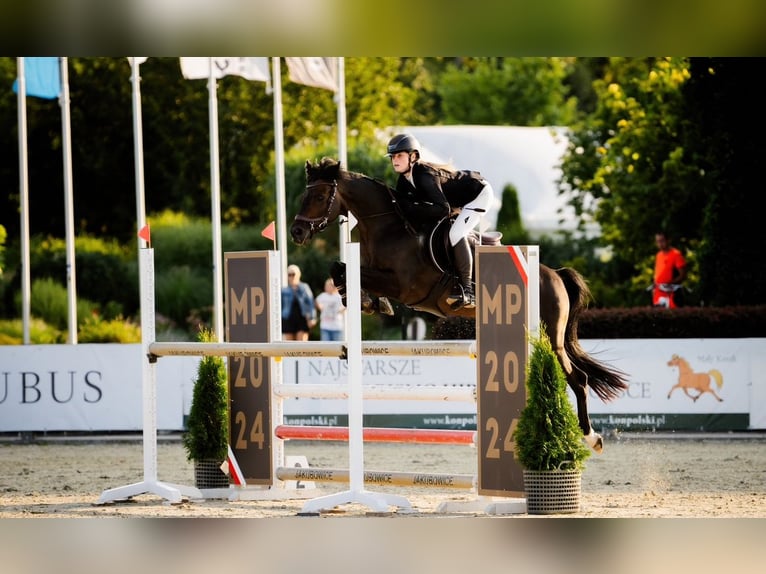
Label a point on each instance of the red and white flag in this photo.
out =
(234, 471)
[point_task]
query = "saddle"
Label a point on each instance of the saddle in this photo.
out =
(437, 244)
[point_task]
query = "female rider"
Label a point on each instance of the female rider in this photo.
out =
(427, 192)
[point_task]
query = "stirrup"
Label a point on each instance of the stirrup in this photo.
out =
(454, 298)
(465, 302)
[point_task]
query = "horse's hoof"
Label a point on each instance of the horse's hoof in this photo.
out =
(595, 441)
(384, 306)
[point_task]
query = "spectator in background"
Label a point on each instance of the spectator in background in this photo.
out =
(329, 303)
(298, 312)
(669, 273)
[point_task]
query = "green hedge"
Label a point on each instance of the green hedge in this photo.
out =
(646, 323)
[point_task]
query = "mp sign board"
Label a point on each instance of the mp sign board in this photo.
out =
(253, 315)
(507, 309)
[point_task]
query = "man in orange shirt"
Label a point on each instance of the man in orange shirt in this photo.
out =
(669, 272)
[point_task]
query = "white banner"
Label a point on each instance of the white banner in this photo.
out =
(88, 388)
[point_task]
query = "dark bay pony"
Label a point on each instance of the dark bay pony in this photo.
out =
(397, 263)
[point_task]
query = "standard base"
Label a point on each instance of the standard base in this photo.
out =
(376, 501)
(173, 493)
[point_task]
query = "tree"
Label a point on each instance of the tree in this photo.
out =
(507, 91)
(667, 147)
(509, 218)
(627, 166)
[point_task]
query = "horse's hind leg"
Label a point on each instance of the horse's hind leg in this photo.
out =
(554, 313)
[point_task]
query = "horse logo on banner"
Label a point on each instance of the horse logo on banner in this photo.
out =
(700, 382)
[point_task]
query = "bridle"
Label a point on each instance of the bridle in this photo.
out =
(318, 224)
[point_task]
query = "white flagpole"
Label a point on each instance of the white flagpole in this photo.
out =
(340, 99)
(138, 150)
(68, 203)
(215, 201)
(279, 167)
(24, 200)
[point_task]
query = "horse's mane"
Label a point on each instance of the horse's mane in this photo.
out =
(329, 169)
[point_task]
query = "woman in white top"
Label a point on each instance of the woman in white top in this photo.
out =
(331, 313)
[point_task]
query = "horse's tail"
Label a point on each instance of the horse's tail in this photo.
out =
(716, 374)
(606, 381)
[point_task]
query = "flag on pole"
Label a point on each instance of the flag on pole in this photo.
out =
(145, 234)
(42, 78)
(269, 231)
(316, 72)
(249, 68)
(233, 469)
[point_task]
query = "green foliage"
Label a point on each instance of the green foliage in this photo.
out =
(118, 330)
(207, 434)
(40, 333)
(509, 218)
(180, 289)
(507, 91)
(102, 270)
(50, 302)
(548, 436)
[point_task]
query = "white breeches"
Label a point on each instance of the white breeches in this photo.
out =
(468, 218)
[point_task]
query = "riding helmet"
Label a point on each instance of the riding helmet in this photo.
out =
(403, 142)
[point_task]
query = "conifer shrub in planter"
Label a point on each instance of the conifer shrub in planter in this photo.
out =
(548, 440)
(207, 427)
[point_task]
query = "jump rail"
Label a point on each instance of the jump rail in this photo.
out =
(375, 434)
(313, 349)
(380, 478)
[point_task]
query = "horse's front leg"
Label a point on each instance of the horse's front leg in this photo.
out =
(369, 304)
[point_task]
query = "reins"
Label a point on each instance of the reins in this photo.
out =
(318, 224)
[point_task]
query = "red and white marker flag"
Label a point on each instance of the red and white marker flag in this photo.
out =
(234, 471)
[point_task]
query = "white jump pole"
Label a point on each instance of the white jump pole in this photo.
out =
(379, 502)
(315, 349)
(172, 493)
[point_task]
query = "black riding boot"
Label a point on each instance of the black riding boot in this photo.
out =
(462, 295)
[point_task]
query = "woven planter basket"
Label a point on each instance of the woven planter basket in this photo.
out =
(553, 491)
(208, 474)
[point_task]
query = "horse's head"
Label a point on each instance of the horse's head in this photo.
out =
(320, 204)
(675, 360)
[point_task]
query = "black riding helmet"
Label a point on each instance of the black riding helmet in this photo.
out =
(403, 142)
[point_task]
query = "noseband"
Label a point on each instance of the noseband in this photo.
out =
(318, 224)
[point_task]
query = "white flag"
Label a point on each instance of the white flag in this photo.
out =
(316, 72)
(249, 68)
